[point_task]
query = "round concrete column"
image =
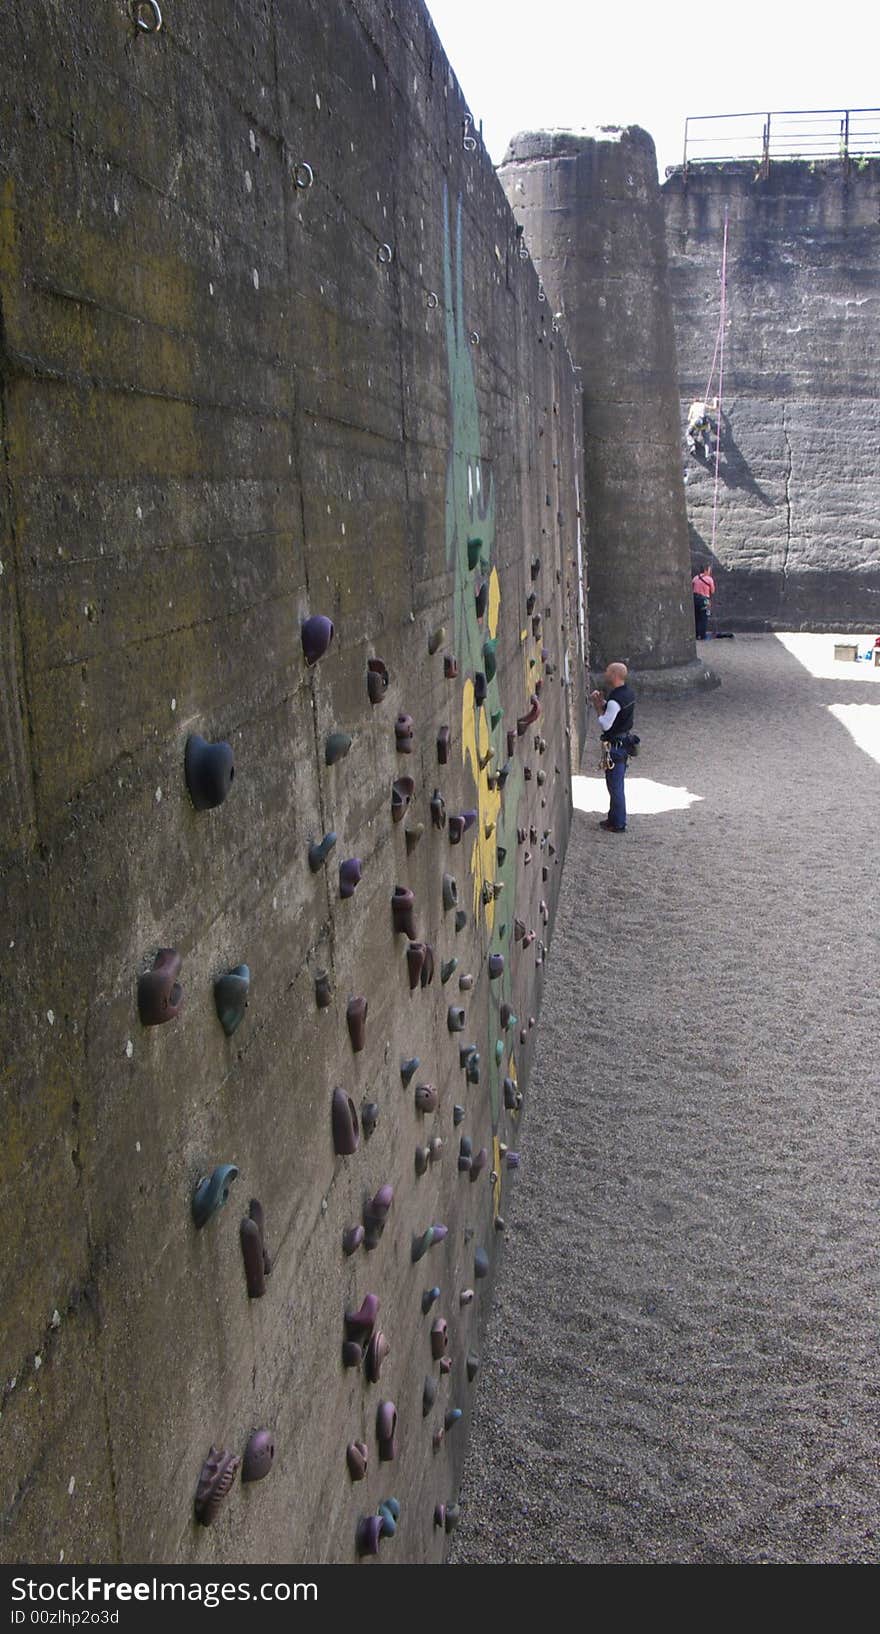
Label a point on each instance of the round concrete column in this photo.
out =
(592, 219)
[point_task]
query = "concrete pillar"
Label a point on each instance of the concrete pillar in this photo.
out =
(592, 219)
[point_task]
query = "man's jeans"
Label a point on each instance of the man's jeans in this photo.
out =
(614, 782)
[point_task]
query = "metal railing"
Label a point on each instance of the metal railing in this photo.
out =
(845, 134)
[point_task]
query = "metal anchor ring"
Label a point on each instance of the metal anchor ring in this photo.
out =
(303, 174)
(431, 301)
(152, 24)
(384, 254)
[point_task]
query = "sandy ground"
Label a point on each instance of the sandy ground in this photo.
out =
(682, 1360)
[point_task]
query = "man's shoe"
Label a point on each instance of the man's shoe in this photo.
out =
(609, 826)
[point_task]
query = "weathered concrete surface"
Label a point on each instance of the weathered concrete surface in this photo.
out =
(682, 1357)
(798, 536)
(223, 408)
(591, 216)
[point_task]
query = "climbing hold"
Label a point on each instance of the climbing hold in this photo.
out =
(440, 1515)
(505, 1014)
(445, 1365)
(527, 857)
(377, 1350)
(323, 990)
(409, 1068)
(231, 996)
(453, 1516)
(465, 1051)
(336, 747)
(499, 1051)
(415, 962)
(386, 1431)
(451, 1416)
(352, 1353)
(159, 993)
(217, 1475)
(480, 687)
(359, 1324)
(447, 969)
(389, 1513)
(318, 853)
(481, 597)
(495, 716)
(357, 1457)
(496, 965)
(257, 1261)
(350, 873)
(540, 778)
(466, 1297)
(422, 1159)
(317, 634)
(377, 680)
(481, 1262)
(531, 602)
(479, 1163)
(529, 937)
(499, 1223)
(465, 1150)
(427, 975)
(429, 1298)
(376, 1211)
(259, 1455)
(211, 1193)
(403, 734)
(209, 770)
(536, 627)
(474, 546)
(512, 1160)
(490, 658)
(458, 1115)
(369, 1531)
(472, 1070)
(501, 854)
(402, 791)
(460, 919)
(412, 836)
(455, 1018)
(450, 891)
(402, 905)
(469, 818)
(465, 983)
(436, 639)
(352, 1238)
(535, 567)
(369, 1118)
(524, 721)
(429, 1394)
(439, 1337)
(426, 1098)
(472, 1365)
(356, 1017)
(443, 745)
(420, 1245)
(435, 1148)
(438, 809)
(456, 829)
(346, 1135)
(450, 667)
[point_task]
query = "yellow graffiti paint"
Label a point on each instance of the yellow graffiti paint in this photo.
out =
(473, 749)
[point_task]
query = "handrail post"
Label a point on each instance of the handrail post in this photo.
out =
(765, 162)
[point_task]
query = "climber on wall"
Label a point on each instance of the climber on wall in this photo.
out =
(701, 427)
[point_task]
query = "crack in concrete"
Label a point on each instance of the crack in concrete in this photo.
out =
(787, 482)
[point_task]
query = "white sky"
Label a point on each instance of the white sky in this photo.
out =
(572, 62)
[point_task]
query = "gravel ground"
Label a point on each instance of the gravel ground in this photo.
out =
(682, 1359)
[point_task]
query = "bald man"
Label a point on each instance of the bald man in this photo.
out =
(615, 712)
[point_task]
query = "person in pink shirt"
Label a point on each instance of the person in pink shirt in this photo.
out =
(703, 586)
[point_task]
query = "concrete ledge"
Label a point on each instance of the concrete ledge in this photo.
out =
(675, 681)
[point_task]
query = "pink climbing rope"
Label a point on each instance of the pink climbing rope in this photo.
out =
(719, 349)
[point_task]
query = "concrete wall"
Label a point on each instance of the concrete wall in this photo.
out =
(797, 535)
(589, 208)
(226, 406)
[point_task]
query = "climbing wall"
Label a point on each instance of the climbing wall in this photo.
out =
(293, 651)
(796, 535)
